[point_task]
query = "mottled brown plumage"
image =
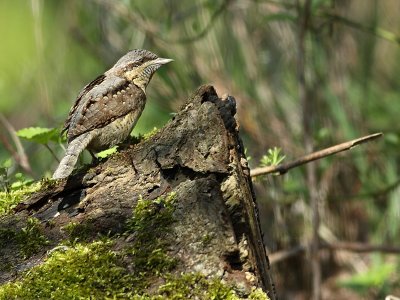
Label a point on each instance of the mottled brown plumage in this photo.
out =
(107, 109)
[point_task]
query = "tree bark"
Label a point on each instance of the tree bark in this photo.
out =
(199, 156)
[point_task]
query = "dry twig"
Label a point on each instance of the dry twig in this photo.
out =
(283, 168)
(19, 155)
(339, 246)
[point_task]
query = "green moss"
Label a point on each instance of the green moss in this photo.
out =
(30, 238)
(194, 286)
(78, 232)
(107, 152)
(197, 286)
(143, 137)
(150, 134)
(9, 199)
(149, 226)
(258, 294)
(84, 271)
(6, 236)
(7, 267)
(96, 271)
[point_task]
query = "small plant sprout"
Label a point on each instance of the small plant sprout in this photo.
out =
(272, 158)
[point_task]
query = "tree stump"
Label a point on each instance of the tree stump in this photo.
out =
(198, 158)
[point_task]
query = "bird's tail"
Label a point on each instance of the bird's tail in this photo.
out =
(75, 147)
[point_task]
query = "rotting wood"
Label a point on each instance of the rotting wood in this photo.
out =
(198, 155)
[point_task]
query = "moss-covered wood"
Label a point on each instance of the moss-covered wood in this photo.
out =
(177, 211)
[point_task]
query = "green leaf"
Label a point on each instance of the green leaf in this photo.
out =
(6, 164)
(373, 278)
(248, 157)
(21, 181)
(392, 138)
(196, 26)
(272, 158)
(108, 152)
(40, 135)
(316, 4)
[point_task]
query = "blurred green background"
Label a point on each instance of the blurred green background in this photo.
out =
(50, 49)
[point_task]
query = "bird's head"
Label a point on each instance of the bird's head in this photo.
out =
(138, 66)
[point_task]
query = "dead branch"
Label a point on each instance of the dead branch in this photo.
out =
(19, 155)
(339, 246)
(283, 168)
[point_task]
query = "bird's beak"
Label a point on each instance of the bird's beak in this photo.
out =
(162, 61)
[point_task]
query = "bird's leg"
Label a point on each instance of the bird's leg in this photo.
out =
(94, 158)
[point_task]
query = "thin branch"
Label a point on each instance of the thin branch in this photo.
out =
(362, 247)
(383, 192)
(374, 30)
(377, 31)
(151, 29)
(20, 155)
(285, 254)
(208, 26)
(283, 168)
(279, 256)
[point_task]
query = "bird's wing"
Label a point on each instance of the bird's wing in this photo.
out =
(78, 100)
(112, 98)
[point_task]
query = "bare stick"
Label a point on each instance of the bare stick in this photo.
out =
(19, 156)
(285, 254)
(339, 246)
(362, 247)
(283, 168)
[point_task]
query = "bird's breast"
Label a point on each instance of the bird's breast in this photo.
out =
(115, 132)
